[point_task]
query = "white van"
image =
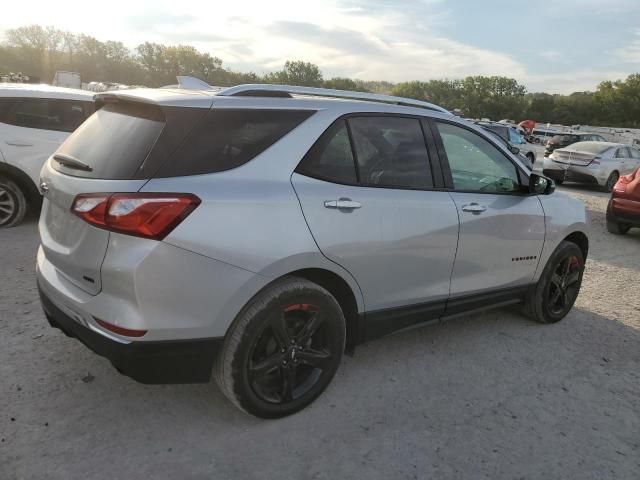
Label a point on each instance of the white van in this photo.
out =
(34, 121)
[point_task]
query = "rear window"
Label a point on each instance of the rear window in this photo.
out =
(114, 141)
(226, 139)
(59, 115)
(565, 139)
(590, 147)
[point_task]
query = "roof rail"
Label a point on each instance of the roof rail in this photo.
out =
(268, 90)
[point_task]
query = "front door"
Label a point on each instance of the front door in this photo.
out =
(371, 207)
(502, 228)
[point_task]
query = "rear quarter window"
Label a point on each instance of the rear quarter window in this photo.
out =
(228, 138)
(58, 115)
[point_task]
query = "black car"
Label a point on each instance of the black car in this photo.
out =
(565, 139)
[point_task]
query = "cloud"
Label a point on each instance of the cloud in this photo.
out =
(630, 53)
(550, 54)
(336, 38)
(152, 20)
(569, 82)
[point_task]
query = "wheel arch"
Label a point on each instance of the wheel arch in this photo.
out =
(315, 268)
(24, 182)
(346, 298)
(580, 239)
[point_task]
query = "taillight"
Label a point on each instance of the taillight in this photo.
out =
(629, 178)
(148, 215)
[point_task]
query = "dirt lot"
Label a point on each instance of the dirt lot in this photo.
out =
(488, 396)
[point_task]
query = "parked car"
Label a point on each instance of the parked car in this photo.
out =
(512, 148)
(623, 211)
(34, 121)
(595, 163)
(513, 138)
(263, 230)
(565, 139)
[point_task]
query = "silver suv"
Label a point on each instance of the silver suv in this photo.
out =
(262, 231)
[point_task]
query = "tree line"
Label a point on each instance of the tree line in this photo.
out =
(41, 51)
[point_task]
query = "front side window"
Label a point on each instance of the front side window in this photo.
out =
(391, 152)
(45, 113)
(331, 158)
(475, 164)
(634, 153)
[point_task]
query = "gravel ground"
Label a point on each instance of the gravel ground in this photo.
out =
(487, 396)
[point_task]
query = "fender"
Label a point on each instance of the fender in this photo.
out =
(23, 180)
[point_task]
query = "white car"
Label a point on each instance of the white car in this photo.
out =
(34, 121)
(595, 163)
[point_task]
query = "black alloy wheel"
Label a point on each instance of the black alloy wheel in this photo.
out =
(564, 286)
(288, 358)
(557, 289)
(283, 349)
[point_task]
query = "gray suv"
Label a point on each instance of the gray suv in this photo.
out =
(258, 233)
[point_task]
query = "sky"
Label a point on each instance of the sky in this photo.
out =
(557, 46)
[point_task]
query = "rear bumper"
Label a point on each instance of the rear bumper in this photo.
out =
(624, 210)
(573, 173)
(152, 362)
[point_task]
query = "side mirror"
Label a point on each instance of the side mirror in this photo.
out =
(539, 185)
(514, 150)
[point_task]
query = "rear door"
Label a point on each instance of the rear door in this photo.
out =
(627, 163)
(501, 229)
(371, 199)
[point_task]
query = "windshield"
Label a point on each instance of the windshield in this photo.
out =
(590, 147)
(515, 137)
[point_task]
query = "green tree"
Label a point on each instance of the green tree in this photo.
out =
(342, 83)
(297, 72)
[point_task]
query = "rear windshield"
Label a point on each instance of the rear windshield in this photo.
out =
(590, 147)
(114, 141)
(226, 139)
(565, 138)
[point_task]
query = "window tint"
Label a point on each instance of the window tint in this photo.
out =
(515, 137)
(331, 157)
(502, 131)
(622, 153)
(475, 164)
(391, 152)
(114, 141)
(226, 139)
(45, 113)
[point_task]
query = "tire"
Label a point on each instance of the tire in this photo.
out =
(558, 287)
(611, 181)
(13, 203)
(559, 181)
(617, 228)
(271, 372)
(531, 158)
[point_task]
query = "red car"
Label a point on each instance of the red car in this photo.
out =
(623, 211)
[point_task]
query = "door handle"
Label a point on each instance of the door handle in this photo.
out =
(343, 203)
(18, 143)
(473, 207)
